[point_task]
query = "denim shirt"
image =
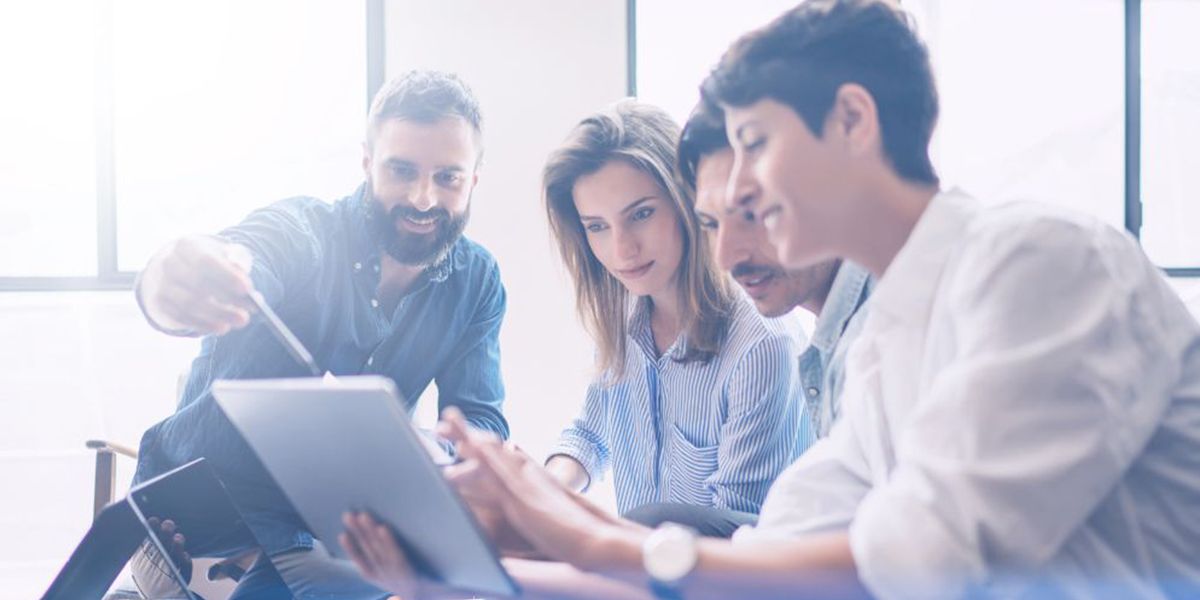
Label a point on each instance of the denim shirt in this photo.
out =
(823, 363)
(318, 266)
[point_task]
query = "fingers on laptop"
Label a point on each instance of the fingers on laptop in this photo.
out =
(453, 426)
(363, 540)
(375, 551)
(469, 440)
(492, 469)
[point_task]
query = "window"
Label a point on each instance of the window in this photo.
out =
(1025, 116)
(1033, 98)
(48, 149)
(143, 120)
(1170, 126)
(679, 41)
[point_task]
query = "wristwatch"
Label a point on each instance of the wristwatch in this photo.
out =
(669, 554)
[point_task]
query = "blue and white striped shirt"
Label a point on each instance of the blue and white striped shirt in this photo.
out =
(713, 433)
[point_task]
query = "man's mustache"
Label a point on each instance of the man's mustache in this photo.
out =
(402, 212)
(746, 269)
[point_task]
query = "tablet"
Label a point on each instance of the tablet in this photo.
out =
(336, 445)
(190, 495)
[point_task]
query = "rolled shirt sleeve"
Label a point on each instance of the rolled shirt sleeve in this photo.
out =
(585, 440)
(470, 378)
(283, 245)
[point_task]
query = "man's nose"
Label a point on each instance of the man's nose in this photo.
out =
(729, 251)
(742, 191)
(423, 198)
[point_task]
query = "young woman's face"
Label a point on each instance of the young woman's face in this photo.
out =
(632, 227)
(803, 180)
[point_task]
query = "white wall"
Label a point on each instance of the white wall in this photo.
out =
(537, 68)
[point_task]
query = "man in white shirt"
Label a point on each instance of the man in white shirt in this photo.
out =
(1021, 412)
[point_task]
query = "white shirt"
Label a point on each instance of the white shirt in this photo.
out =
(1021, 409)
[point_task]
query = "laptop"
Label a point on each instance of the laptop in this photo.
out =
(192, 496)
(337, 445)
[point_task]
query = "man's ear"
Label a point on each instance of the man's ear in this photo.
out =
(854, 120)
(366, 159)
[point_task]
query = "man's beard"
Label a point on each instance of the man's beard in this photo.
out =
(408, 248)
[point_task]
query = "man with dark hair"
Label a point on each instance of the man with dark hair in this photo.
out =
(1021, 406)
(835, 291)
(806, 67)
(380, 282)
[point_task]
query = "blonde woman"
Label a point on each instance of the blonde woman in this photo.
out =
(695, 399)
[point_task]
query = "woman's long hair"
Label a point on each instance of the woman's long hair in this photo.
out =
(644, 137)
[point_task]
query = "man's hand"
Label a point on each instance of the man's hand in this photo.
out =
(483, 493)
(377, 555)
(478, 492)
(198, 284)
(556, 521)
(175, 543)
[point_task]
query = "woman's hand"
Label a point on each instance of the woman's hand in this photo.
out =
(377, 555)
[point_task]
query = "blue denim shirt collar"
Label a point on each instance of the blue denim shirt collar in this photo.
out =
(850, 288)
(819, 364)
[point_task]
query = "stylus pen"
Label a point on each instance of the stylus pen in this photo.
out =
(285, 335)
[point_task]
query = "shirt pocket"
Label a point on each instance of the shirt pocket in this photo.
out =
(688, 468)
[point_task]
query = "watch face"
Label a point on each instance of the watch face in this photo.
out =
(670, 553)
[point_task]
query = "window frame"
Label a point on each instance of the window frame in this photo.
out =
(1133, 130)
(1133, 116)
(108, 275)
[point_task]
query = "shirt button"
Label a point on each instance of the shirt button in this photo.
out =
(374, 303)
(812, 391)
(376, 267)
(370, 361)
(357, 266)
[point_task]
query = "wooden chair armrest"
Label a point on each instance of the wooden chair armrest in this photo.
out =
(107, 446)
(106, 471)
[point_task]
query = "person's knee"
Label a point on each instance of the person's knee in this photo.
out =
(261, 581)
(314, 573)
(151, 574)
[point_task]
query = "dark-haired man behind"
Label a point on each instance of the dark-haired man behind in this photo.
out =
(835, 291)
(379, 282)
